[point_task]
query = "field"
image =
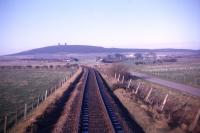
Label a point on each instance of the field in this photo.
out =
(186, 71)
(20, 86)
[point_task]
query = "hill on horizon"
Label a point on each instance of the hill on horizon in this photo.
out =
(91, 49)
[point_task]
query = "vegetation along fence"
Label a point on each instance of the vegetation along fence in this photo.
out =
(12, 118)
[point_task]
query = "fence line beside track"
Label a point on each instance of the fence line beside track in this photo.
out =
(21, 113)
(160, 104)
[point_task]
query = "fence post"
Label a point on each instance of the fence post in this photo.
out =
(118, 78)
(32, 106)
(41, 98)
(5, 124)
(46, 95)
(25, 110)
(147, 97)
(195, 121)
(16, 117)
(38, 101)
(115, 76)
(137, 88)
(164, 102)
(129, 83)
(51, 90)
(122, 79)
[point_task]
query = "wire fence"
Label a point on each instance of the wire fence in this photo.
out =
(12, 118)
(162, 102)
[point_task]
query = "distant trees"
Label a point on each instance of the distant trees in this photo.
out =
(17, 67)
(120, 69)
(29, 66)
(170, 60)
(119, 56)
(114, 58)
(58, 66)
(75, 59)
(44, 67)
(153, 55)
(138, 56)
(51, 66)
(117, 69)
(37, 67)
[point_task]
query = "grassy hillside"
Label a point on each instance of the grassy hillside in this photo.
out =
(91, 49)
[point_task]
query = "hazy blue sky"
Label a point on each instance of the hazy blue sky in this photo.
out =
(26, 24)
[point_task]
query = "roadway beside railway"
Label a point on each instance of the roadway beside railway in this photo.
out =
(177, 86)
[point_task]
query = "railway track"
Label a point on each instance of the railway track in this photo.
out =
(101, 112)
(89, 108)
(94, 114)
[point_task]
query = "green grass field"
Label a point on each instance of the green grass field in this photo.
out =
(185, 73)
(19, 86)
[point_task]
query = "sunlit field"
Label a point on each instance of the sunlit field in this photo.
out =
(184, 71)
(20, 86)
